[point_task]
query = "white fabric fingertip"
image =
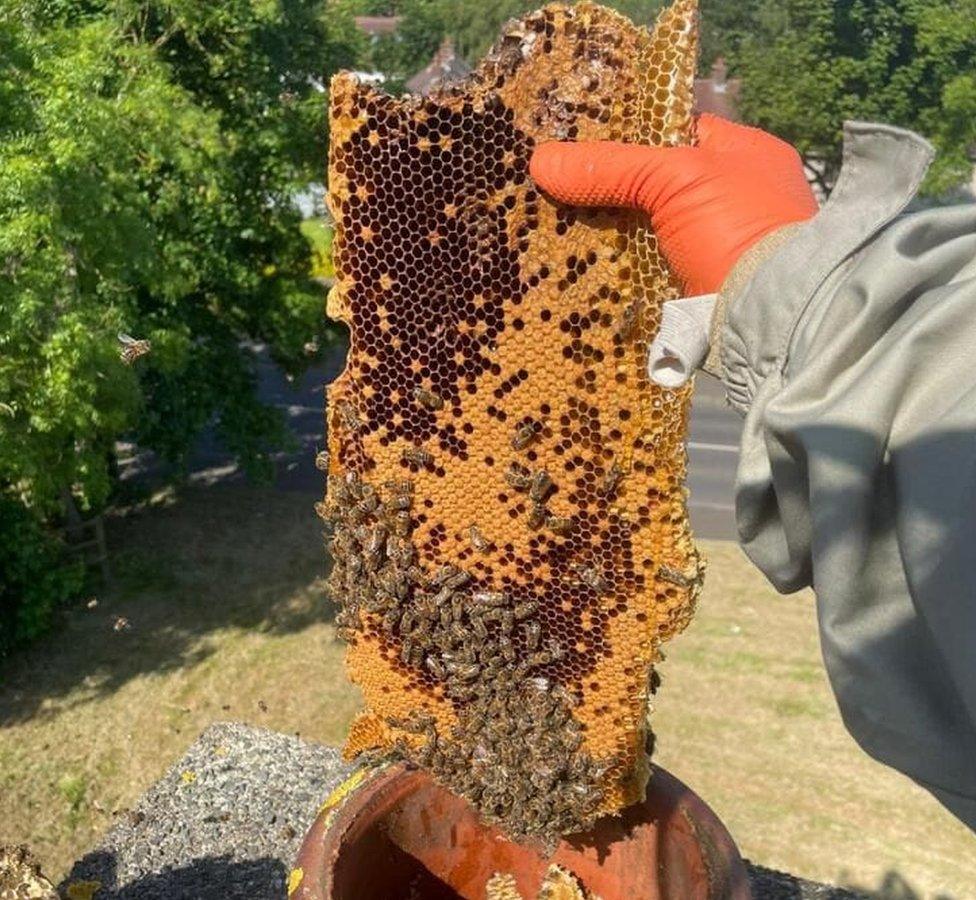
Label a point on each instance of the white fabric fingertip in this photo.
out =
(681, 344)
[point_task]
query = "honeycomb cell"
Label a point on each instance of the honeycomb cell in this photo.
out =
(506, 488)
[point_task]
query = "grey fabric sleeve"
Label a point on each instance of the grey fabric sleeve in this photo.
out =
(851, 352)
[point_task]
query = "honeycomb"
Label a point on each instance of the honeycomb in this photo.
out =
(505, 500)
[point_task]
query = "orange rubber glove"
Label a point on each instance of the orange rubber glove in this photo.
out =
(708, 203)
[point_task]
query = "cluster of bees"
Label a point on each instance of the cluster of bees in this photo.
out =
(516, 750)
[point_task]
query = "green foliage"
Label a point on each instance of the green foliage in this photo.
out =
(319, 237)
(36, 579)
(150, 154)
(811, 64)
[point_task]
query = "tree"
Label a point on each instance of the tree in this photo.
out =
(150, 151)
(811, 64)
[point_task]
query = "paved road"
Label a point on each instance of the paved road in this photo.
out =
(713, 455)
(712, 446)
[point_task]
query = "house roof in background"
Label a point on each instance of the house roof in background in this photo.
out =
(377, 25)
(445, 68)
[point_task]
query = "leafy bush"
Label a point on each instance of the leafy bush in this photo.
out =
(35, 578)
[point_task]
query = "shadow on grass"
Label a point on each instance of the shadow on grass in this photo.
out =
(200, 562)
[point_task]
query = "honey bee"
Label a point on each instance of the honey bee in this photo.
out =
(322, 461)
(132, 349)
(524, 435)
(591, 578)
(478, 540)
(443, 574)
(556, 652)
(348, 415)
(611, 480)
(399, 486)
(417, 456)
(406, 651)
(560, 525)
(401, 523)
(532, 632)
(627, 321)
(507, 649)
(507, 622)
(348, 635)
(436, 667)
(540, 487)
(468, 672)
(525, 609)
(390, 621)
(673, 576)
(518, 477)
(537, 515)
(398, 503)
(428, 398)
(489, 598)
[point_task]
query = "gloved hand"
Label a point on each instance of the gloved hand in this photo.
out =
(708, 203)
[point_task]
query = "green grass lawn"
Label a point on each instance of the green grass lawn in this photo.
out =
(223, 591)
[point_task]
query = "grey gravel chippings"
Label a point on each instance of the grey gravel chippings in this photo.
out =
(226, 822)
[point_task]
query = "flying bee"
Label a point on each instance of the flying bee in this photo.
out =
(611, 480)
(591, 578)
(627, 321)
(560, 525)
(673, 576)
(478, 540)
(518, 477)
(417, 456)
(322, 461)
(537, 515)
(428, 398)
(131, 349)
(525, 609)
(524, 435)
(540, 487)
(532, 632)
(348, 415)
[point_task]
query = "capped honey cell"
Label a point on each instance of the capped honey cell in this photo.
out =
(505, 496)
